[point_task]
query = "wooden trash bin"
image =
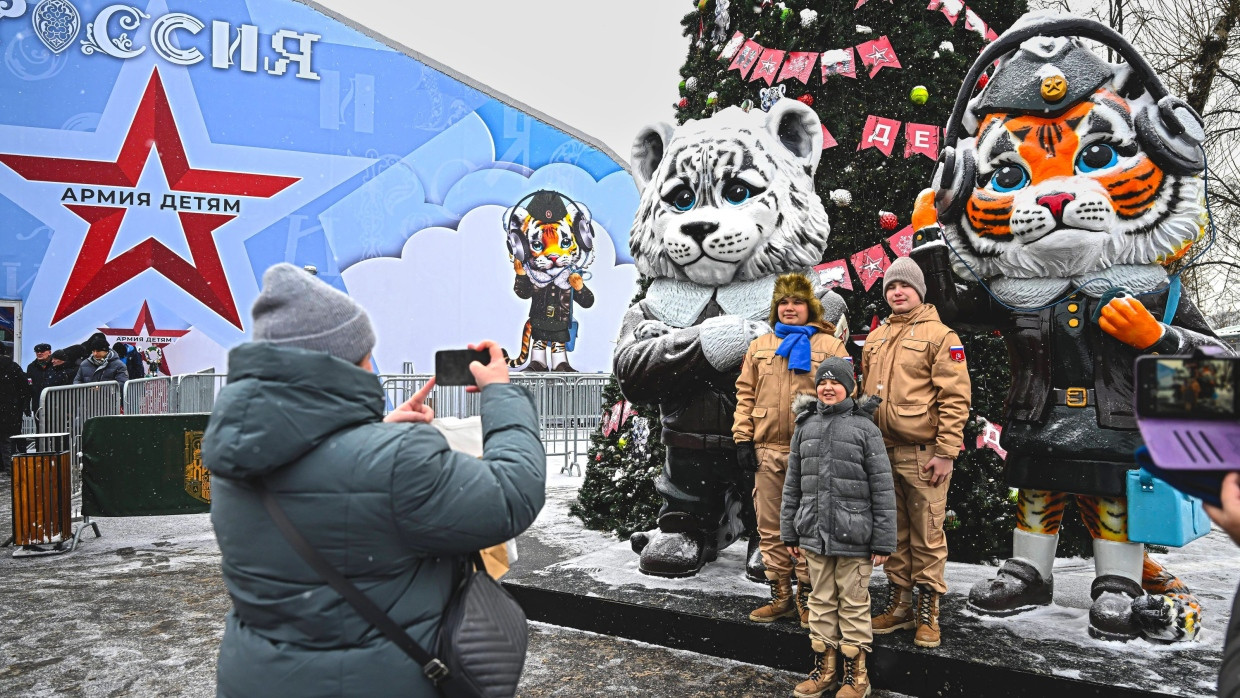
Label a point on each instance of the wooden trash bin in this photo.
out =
(42, 493)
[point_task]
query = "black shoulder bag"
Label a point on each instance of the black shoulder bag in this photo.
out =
(482, 637)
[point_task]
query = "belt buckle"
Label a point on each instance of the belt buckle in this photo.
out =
(1076, 397)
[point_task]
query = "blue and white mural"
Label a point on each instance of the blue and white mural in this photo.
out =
(156, 158)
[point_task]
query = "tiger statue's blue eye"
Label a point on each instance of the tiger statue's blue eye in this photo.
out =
(682, 198)
(1009, 178)
(1098, 156)
(736, 193)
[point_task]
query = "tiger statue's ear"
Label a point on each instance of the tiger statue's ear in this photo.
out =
(514, 218)
(648, 149)
(797, 128)
(583, 225)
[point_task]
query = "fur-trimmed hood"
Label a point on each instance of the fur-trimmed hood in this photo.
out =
(796, 286)
(806, 404)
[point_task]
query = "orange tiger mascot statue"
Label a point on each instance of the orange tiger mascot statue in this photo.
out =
(1066, 185)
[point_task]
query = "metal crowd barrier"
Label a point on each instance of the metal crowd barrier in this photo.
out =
(195, 392)
(65, 408)
(569, 406)
(154, 395)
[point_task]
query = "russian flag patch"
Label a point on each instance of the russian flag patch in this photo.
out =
(957, 353)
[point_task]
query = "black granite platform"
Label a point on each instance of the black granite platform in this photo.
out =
(1045, 653)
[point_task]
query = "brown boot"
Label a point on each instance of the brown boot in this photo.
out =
(855, 683)
(898, 614)
(927, 618)
(803, 591)
(822, 677)
(781, 605)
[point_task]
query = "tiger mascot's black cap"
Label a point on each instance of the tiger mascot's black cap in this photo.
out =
(547, 207)
(795, 286)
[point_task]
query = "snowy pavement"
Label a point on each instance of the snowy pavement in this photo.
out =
(139, 612)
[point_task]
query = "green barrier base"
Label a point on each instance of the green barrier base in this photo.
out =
(144, 465)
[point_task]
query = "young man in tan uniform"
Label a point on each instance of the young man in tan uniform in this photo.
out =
(916, 364)
(777, 367)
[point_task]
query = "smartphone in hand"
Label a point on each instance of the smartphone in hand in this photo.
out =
(452, 365)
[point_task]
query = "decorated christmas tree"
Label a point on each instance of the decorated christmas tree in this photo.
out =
(882, 76)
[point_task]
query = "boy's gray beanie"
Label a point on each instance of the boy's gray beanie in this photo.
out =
(298, 310)
(838, 370)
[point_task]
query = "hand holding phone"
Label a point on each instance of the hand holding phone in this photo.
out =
(476, 367)
(452, 365)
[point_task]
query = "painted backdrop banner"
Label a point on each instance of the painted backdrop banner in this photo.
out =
(157, 157)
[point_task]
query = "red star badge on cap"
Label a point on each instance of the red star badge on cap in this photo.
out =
(93, 275)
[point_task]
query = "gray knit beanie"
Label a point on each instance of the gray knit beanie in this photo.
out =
(838, 370)
(906, 270)
(296, 309)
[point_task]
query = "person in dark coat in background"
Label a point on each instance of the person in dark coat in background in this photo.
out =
(14, 402)
(63, 370)
(130, 357)
(39, 371)
(102, 365)
(385, 500)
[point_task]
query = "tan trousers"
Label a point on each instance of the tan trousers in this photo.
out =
(768, 497)
(921, 547)
(839, 605)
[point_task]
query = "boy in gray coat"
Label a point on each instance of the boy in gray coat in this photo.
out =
(839, 510)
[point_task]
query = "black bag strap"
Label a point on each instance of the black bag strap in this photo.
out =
(434, 669)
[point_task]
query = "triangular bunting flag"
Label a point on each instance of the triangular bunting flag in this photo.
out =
(902, 242)
(767, 66)
(870, 265)
(921, 139)
(879, 133)
(834, 275)
(800, 65)
(839, 61)
(746, 57)
(878, 54)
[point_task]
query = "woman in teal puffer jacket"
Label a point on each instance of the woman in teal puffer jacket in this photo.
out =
(385, 501)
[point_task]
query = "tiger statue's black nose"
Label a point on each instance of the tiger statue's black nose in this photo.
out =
(698, 230)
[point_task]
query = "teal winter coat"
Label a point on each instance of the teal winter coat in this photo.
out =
(389, 505)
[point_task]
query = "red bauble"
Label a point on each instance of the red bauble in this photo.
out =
(981, 82)
(888, 220)
(684, 102)
(806, 99)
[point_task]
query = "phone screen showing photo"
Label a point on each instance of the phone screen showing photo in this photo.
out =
(1187, 388)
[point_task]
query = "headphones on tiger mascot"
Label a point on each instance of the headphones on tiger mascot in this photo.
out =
(546, 206)
(1169, 131)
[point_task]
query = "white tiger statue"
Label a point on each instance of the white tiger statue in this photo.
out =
(728, 204)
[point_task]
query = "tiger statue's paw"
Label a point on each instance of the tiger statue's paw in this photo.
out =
(1167, 617)
(1126, 319)
(649, 329)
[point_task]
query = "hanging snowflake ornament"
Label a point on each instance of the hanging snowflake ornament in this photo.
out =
(723, 20)
(808, 17)
(641, 434)
(841, 198)
(888, 220)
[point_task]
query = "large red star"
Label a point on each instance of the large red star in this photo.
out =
(93, 275)
(146, 322)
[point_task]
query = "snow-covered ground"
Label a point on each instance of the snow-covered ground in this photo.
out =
(140, 611)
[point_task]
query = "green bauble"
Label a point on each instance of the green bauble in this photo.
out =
(918, 95)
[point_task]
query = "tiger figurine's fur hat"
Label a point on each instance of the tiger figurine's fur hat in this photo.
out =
(1064, 173)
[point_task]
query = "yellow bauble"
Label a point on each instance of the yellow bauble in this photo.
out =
(919, 94)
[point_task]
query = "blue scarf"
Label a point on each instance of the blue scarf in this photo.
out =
(795, 346)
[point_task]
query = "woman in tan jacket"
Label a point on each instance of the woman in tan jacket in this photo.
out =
(777, 367)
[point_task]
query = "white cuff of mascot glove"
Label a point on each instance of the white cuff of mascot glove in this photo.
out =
(726, 338)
